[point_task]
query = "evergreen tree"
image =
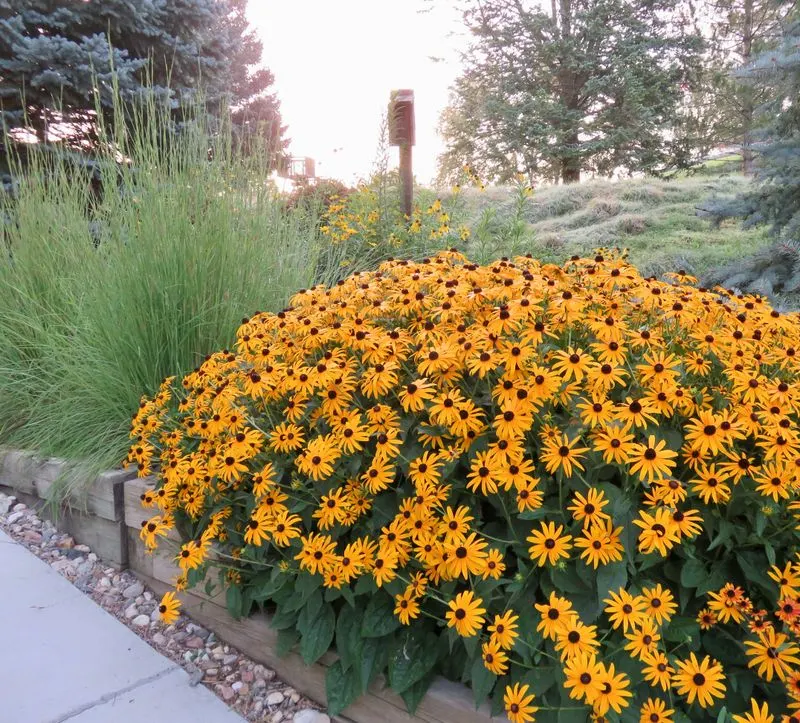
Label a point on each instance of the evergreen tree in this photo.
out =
(739, 30)
(592, 86)
(59, 61)
(775, 197)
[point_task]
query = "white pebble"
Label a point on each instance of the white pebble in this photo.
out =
(309, 715)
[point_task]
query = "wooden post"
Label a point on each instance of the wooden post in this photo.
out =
(406, 178)
(401, 133)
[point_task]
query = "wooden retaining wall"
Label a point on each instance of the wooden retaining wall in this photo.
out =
(96, 519)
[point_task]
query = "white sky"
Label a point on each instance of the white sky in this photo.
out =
(335, 63)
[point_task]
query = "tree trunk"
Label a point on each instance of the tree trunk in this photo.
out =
(38, 119)
(568, 89)
(748, 105)
(570, 170)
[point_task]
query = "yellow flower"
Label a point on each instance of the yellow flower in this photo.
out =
(465, 614)
(549, 544)
(169, 608)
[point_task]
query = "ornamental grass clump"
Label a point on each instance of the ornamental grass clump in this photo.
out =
(573, 488)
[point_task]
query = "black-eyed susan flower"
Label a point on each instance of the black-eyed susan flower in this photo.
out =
(485, 473)
(576, 638)
(317, 553)
(504, 629)
(728, 603)
(169, 608)
(257, 530)
(584, 678)
(706, 619)
(615, 443)
(710, 485)
(406, 607)
(654, 710)
(600, 544)
(556, 616)
(613, 694)
(787, 579)
(561, 453)
(549, 544)
(494, 565)
(191, 556)
(772, 655)
(651, 461)
(465, 614)
(285, 527)
(657, 671)
(643, 640)
(634, 413)
(702, 680)
(572, 363)
(658, 531)
(468, 556)
(661, 604)
(625, 610)
(588, 509)
(519, 703)
(495, 659)
(756, 714)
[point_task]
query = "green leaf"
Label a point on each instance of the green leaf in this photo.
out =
(722, 715)
(348, 637)
(761, 523)
(234, 600)
(342, 687)
(310, 611)
(287, 639)
(571, 713)
(769, 550)
(722, 646)
(568, 580)
(304, 588)
(265, 587)
(414, 695)
(317, 638)
(348, 595)
(754, 565)
(283, 618)
(611, 578)
(374, 654)
(541, 680)
(726, 530)
(679, 629)
(693, 573)
(414, 655)
(365, 585)
(483, 681)
(379, 618)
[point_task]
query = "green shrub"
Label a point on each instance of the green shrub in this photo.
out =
(106, 288)
(571, 487)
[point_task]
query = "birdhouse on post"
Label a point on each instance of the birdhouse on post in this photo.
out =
(401, 133)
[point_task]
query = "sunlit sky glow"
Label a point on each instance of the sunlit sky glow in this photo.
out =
(335, 64)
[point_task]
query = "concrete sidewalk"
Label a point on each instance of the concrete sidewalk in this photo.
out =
(64, 658)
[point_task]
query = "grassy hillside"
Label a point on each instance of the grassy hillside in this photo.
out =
(657, 220)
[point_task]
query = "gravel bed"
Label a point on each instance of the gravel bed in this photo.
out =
(251, 689)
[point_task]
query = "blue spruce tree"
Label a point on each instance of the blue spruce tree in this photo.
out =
(60, 61)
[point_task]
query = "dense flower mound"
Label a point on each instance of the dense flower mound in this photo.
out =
(572, 487)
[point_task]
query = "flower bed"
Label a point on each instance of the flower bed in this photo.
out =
(570, 487)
